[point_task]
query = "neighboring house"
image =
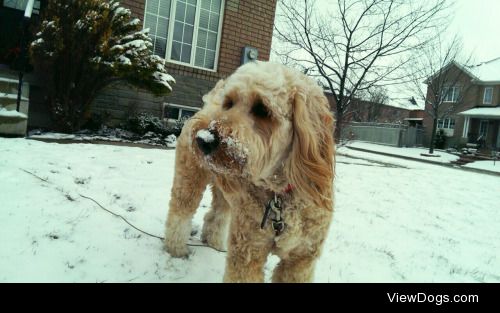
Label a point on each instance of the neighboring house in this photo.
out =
(476, 100)
(203, 41)
(394, 110)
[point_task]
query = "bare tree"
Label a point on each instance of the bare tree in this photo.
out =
(354, 45)
(367, 105)
(376, 100)
(439, 77)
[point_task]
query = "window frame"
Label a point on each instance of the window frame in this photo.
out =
(491, 95)
(455, 90)
(483, 122)
(446, 123)
(168, 50)
(177, 106)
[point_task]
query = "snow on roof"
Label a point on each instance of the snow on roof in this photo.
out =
(487, 71)
(486, 112)
(400, 96)
(407, 103)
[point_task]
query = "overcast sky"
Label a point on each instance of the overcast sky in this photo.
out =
(478, 23)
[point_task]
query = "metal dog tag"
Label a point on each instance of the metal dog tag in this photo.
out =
(273, 205)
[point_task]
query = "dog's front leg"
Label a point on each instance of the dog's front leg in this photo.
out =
(190, 181)
(215, 224)
(248, 248)
(297, 265)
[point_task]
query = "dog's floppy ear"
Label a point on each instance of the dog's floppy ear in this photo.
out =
(310, 168)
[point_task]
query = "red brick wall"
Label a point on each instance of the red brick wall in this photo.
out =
(417, 114)
(136, 6)
(246, 23)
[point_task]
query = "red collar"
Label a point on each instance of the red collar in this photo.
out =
(289, 188)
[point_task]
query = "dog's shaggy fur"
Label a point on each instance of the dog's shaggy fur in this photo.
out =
(261, 129)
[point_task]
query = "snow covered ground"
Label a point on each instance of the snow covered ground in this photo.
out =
(444, 157)
(395, 220)
(485, 165)
(109, 134)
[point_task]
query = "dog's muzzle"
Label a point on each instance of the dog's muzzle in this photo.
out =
(208, 141)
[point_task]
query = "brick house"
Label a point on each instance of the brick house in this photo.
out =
(394, 110)
(202, 41)
(476, 97)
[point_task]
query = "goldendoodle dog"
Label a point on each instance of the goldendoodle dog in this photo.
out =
(264, 141)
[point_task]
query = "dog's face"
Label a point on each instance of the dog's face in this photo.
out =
(265, 123)
(245, 127)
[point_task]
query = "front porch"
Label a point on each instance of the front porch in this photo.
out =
(482, 127)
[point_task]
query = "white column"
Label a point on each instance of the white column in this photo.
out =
(466, 127)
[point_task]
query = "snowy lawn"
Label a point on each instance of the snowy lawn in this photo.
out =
(444, 157)
(485, 165)
(394, 221)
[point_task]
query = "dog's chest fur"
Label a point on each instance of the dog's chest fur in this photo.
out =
(299, 216)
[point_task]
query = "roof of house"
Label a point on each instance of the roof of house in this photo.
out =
(482, 112)
(400, 96)
(487, 71)
(484, 72)
(407, 103)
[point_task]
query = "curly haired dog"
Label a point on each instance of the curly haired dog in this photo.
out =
(264, 141)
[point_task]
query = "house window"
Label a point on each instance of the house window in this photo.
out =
(483, 128)
(174, 112)
(451, 94)
(21, 5)
(185, 32)
(447, 123)
(488, 95)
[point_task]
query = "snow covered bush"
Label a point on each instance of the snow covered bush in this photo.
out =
(82, 46)
(144, 123)
(177, 127)
(171, 141)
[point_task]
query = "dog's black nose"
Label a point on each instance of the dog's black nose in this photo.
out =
(207, 141)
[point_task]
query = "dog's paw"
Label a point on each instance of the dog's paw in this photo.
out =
(177, 251)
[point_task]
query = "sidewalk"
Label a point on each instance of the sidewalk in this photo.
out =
(442, 158)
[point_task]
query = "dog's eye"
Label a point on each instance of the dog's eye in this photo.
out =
(260, 110)
(228, 103)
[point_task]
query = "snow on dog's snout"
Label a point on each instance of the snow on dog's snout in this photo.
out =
(228, 153)
(205, 135)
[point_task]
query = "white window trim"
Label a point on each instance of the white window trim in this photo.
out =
(446, 123)
(177, 106)
(171, 22)
(453, 88)
(484, 95)
(465, 132)
(479, 130)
